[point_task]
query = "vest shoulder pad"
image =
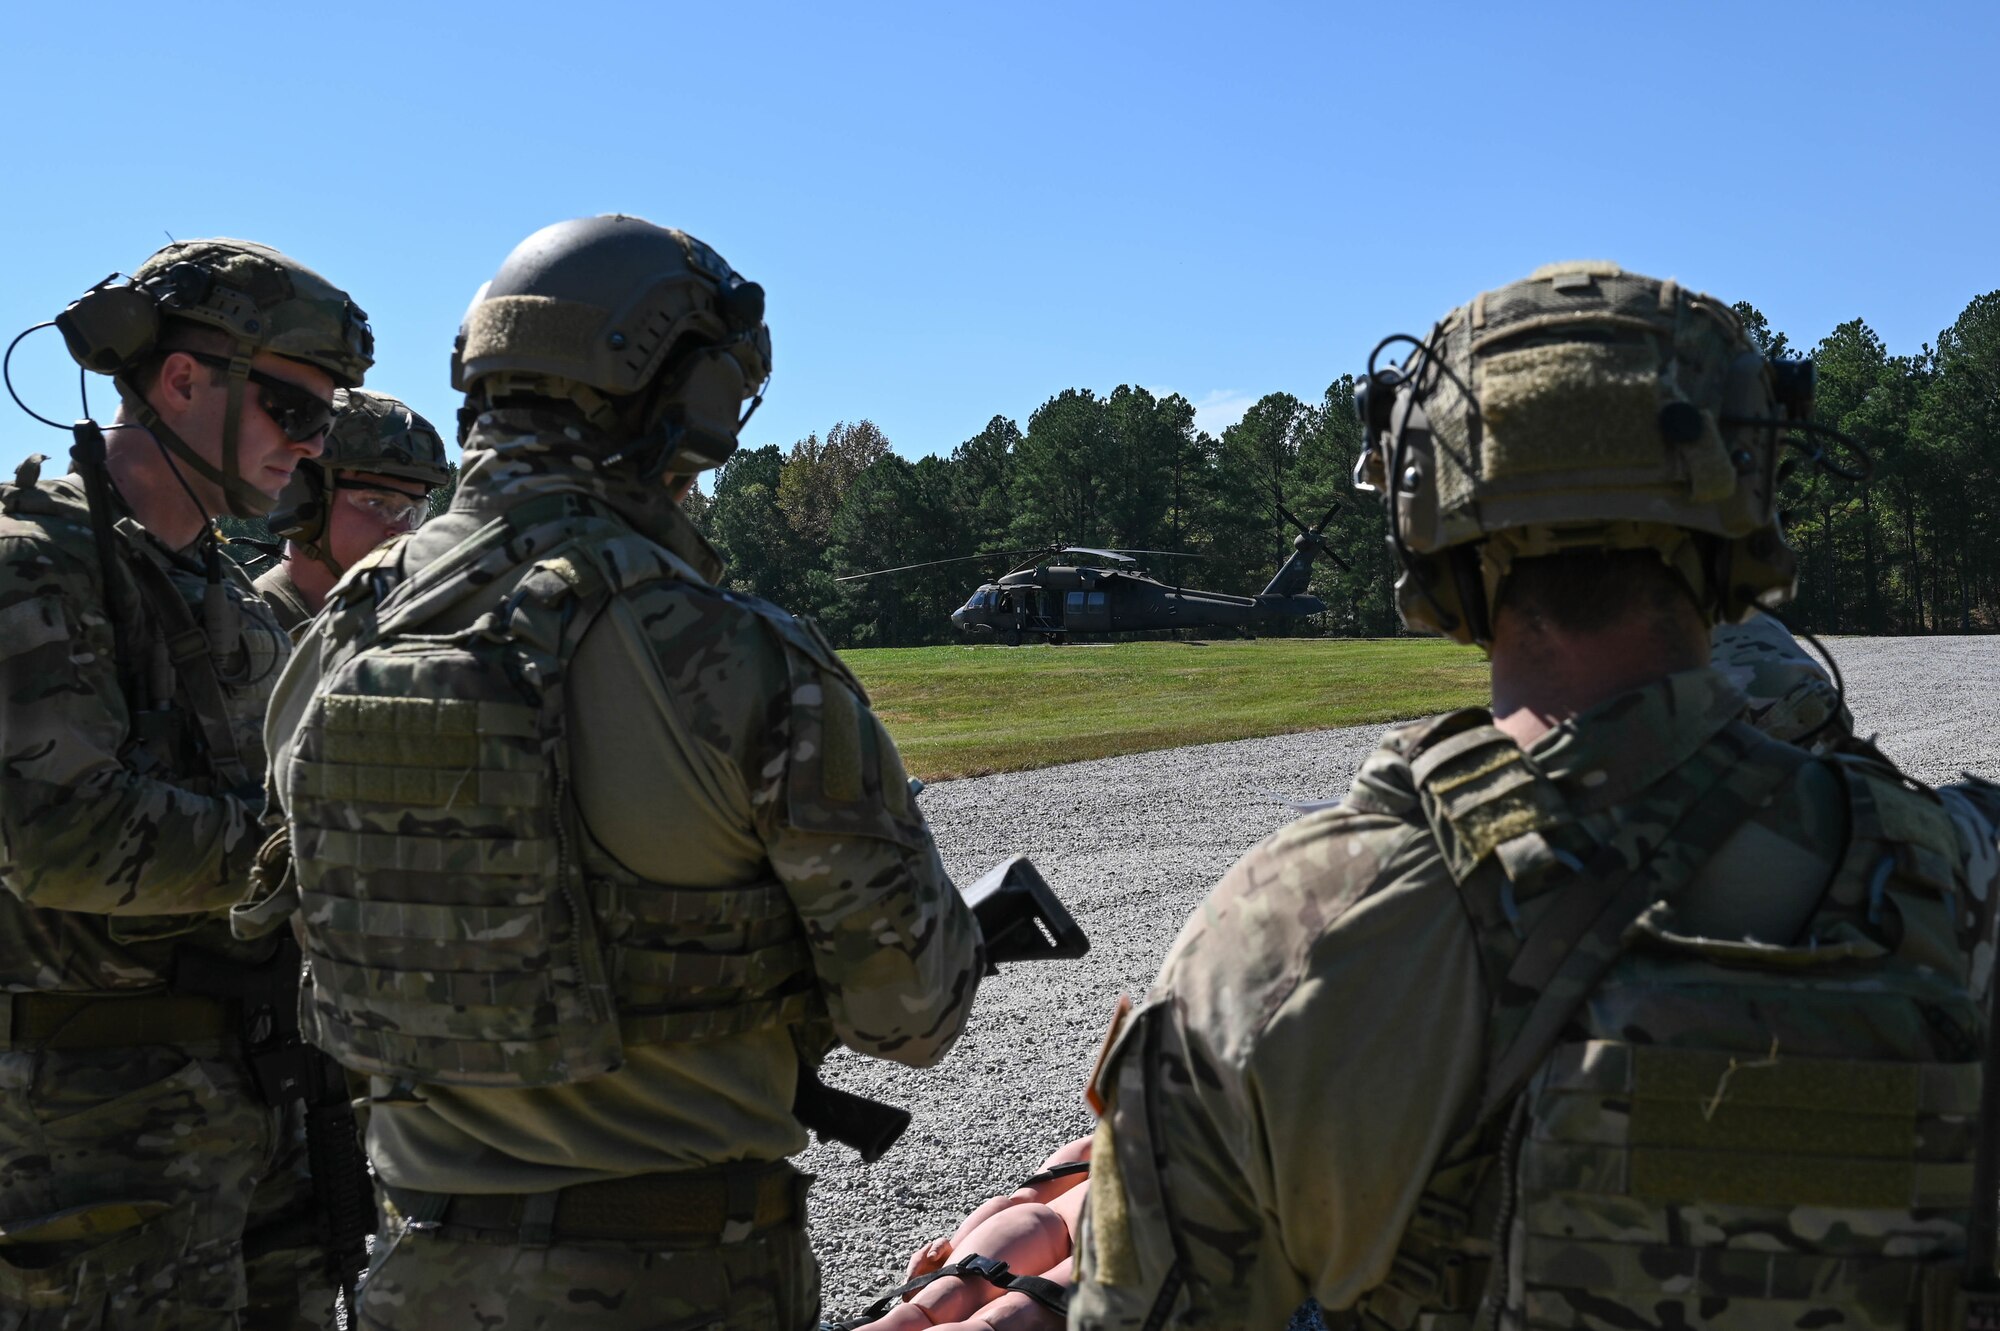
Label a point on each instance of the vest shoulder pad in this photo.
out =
(1384, 783)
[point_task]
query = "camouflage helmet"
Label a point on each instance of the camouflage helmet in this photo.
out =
(644, 329)
(261, 299)
(264, 300)
(375, 433)
(372, 433)
(1585, 407)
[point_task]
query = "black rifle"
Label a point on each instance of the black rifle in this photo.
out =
(1020, 919)
(288, 1069)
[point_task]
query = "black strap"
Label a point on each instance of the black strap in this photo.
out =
(1054, 1172)
(1042, 1290)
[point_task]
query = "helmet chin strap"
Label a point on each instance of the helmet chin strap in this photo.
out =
(319, 543)
(309, 525)
(241, 498)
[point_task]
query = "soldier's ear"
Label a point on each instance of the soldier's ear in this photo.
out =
(173, 387)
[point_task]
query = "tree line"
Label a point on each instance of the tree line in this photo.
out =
(1907, 550)
(1125, 470)
(1901, 552)
(1904, 551)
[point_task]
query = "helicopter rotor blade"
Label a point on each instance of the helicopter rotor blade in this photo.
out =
(1328, 518)
(1170, 554)
(932, 563)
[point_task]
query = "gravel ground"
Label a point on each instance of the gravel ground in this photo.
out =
(1131, 845)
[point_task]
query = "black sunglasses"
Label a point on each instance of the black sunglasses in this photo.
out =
(300, 413)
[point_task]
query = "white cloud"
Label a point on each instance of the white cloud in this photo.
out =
(1220, 408)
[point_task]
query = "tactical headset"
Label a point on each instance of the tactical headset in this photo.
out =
(112, 328)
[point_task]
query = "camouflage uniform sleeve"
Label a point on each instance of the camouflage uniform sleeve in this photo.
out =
(1790, 694)
(80, 830)
(895, 948)
(1276, 1108)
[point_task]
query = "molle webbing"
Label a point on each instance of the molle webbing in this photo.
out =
(1577, 935)
(462, 928)
(1728, 1133)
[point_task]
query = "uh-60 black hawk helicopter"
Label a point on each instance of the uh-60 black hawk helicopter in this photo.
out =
(1113, 594)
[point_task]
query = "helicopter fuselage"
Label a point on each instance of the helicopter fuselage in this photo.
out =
(1055, 600)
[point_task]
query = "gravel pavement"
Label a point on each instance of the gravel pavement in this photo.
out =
(1131, 845)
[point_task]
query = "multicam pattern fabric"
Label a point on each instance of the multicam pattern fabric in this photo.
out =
(374, 432)
(267, 300)
(1790, 696)
(115, 834)
(721, 718)
(426, 1279)
(1746, 1132)
(127, 1176)
(428, 779)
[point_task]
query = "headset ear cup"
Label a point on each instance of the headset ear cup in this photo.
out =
(108, 329)
(301, 511)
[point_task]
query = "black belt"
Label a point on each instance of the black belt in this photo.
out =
(724, 1204)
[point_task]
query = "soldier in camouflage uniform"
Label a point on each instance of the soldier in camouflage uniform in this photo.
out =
(373, 481)
(138, 1160)
(591, 852)
(1599, 1008)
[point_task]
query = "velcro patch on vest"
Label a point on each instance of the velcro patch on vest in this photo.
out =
(840, 741)
(1685, 1125)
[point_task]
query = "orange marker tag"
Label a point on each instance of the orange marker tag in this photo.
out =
(1091, 1094)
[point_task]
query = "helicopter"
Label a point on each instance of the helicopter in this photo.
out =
(1108, 591)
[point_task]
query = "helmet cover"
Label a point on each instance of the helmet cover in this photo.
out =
(263, 299)
(1582, 407)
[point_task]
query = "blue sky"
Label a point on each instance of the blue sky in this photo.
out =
(959, 210)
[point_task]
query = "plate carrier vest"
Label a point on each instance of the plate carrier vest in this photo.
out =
(461, 927)
(1682, 1132)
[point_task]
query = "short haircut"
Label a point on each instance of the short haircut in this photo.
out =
(1591, 590)
(180, 335)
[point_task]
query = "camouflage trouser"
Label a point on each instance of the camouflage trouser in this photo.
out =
(131, 1182)
(428, 1279)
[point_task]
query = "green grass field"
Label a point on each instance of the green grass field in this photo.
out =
(964, 711)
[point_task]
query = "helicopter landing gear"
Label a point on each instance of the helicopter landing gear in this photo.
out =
(1055, 639)
(1013, 637)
